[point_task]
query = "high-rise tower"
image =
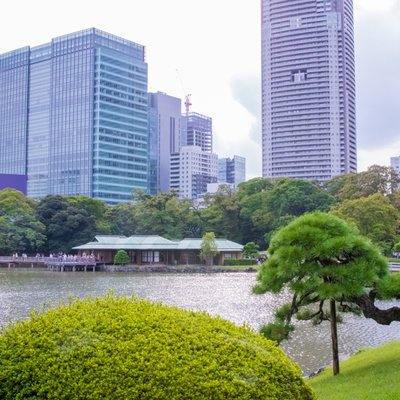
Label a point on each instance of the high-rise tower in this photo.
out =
(164, 127)
(73, 116)
(197, 131)
(308, 89)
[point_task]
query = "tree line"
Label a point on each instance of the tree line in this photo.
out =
(370, 200)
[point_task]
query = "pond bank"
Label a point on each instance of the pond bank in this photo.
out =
(176, 269)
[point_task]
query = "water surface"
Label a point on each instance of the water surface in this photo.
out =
(225, 294)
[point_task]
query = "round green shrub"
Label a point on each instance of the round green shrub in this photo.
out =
(121, 258)
(129, 348)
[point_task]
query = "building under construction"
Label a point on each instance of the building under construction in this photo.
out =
(197, 131)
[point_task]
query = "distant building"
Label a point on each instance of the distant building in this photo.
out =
(395, 163)
(197, 131)
(308, 89)
(73, 116)
(232, 170)
(191, 170)
(164, 138)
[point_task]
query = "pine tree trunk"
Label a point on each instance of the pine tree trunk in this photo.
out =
(335, 347)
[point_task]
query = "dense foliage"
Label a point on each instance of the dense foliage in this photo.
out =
(320, 259)
(374, 216)
(121, 257)
(121, 348)
(20, 230)
(208, 248)
(253, 213)
(250, 250)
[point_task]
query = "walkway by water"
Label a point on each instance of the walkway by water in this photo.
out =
(57, 263)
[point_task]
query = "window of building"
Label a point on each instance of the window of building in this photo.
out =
(150, 256)
(299, 76)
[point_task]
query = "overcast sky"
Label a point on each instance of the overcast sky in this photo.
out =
(211, 49)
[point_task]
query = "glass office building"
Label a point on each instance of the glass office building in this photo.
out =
(232, 170)
(308, 89)
(73, 116)
(197, 131)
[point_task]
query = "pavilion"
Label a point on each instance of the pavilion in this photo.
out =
(155, 249)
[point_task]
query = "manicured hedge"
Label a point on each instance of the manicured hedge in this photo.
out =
(129, 348)
(243, 261)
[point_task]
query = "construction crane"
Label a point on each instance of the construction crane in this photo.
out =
(187, 102)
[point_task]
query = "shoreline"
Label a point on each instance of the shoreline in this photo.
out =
(146, 268)
(176, 269)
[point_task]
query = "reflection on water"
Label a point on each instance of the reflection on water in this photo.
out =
(228, 295)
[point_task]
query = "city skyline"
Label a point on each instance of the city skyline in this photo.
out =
(194, 48)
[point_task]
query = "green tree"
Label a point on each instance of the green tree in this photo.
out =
(374, 216)
(66, 224)
(255, 218)
(121, 258)
(96, 209)
(287, 199)
(296, 197)
(165, 215)
(20, 230)
(208, 248)
(256, 185)
(250, 250)
(320, 259)
(222, 214)
(122, 218)
(377, 179)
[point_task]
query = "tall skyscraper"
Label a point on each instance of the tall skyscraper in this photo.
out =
(164, 125)
(73, 116)
(197, 131)
(232, 170)
(308, 89)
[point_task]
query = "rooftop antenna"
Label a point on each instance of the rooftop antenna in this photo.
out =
(187, 102)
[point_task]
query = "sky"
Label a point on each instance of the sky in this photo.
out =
(211, 49)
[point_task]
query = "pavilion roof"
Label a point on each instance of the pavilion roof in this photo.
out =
(152, 242)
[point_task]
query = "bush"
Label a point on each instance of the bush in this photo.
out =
(121, 258)
(243, 261)
(129, 348)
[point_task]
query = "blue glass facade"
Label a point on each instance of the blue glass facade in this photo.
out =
(14, 75)
(197, 131)
(232, 170)
(86, 128)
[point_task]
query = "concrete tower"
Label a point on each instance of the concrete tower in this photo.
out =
(308, 89)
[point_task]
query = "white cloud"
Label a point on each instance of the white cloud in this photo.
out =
(375, 5)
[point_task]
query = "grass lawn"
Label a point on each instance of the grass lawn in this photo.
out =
(372, 374)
